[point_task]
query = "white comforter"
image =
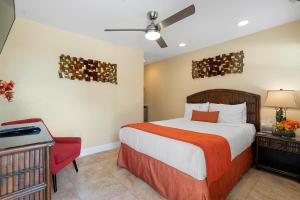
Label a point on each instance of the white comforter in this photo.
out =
(183, 156)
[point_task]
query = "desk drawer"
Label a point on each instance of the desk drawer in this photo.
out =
(21, 170)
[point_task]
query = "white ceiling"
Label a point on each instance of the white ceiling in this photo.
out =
(215, 21)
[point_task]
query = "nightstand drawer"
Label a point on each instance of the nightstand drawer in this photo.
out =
(278, 144)
(272, 144)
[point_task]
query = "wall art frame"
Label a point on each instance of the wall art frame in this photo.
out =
(74, 68)
(218, 66)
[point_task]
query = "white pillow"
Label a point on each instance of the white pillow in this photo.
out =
(189, 107)
(236, 114)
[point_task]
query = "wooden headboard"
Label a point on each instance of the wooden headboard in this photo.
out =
(226, 96)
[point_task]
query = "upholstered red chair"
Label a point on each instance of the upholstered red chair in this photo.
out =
(64, 151)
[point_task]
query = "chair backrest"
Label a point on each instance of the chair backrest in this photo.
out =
(26, 121)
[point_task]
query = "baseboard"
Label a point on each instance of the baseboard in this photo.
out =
(98, 149)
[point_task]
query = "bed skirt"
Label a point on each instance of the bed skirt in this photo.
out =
(176, 185)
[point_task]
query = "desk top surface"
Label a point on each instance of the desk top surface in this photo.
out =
(19, 141)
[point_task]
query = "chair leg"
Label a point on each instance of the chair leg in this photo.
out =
(75, 165)
(54, 182)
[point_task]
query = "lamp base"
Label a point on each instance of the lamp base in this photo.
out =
(280, 114)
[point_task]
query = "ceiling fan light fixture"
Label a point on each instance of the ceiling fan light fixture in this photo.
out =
(152, 35)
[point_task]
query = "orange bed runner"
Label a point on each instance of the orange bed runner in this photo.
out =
(216, 148)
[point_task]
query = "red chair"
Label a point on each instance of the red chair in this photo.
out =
(64, 151)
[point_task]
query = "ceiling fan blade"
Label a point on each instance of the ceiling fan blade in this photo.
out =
(129, 29)
(178, 16)
(161, 42)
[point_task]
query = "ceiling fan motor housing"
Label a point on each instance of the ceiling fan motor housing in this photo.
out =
(152, 27)
(153, 15)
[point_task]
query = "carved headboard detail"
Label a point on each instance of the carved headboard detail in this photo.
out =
(226, 96)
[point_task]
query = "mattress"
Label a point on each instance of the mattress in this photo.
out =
(183, 156)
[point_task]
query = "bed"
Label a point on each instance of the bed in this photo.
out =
(178, 169)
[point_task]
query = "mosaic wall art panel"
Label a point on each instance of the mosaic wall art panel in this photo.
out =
(220, 65)
(89, 70)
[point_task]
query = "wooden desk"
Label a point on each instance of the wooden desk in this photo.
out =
(24, 165)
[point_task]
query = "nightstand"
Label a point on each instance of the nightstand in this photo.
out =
(277, 154)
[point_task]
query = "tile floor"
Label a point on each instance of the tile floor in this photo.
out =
(99, 178)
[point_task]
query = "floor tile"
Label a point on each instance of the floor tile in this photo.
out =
(100, 178)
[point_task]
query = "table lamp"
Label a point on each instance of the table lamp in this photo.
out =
(281, 100)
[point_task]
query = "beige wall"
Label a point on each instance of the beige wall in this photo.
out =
(272, 61)
(92, 110)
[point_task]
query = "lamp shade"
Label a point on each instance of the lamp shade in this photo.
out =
(281, 99)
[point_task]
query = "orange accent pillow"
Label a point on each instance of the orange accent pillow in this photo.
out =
(205, 116)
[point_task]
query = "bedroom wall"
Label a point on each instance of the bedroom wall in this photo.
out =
(272, 61)
(91, 110)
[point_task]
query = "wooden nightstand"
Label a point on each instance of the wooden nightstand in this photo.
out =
(276, 154)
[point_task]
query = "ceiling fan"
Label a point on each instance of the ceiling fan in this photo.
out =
(152, 31)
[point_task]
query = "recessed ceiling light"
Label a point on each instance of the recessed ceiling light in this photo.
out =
(182, 44)
(243, 23)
